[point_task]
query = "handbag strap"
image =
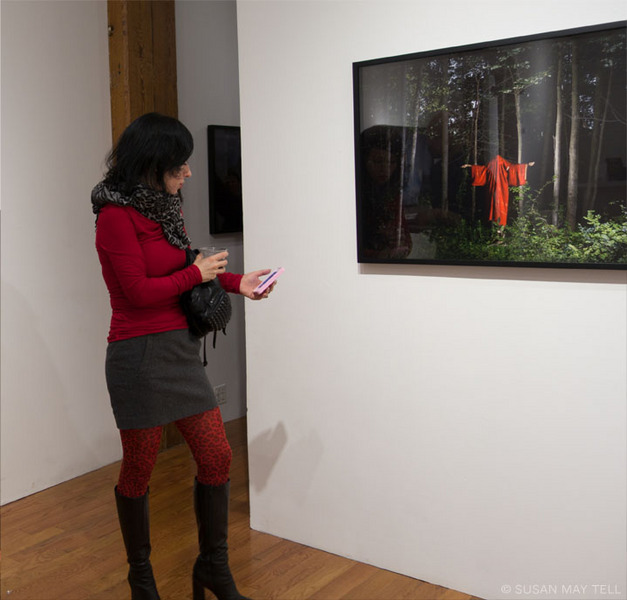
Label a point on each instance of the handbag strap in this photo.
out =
(190, 256)
(204, 347)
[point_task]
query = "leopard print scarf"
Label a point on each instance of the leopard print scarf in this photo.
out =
(157, 206)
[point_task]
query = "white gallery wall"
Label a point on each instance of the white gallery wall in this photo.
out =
(56, 130)
(462, 425)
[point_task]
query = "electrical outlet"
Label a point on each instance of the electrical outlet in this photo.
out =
(220, 392)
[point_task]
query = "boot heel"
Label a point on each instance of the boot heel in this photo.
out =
(199, 590)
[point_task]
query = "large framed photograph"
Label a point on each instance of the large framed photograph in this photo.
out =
(225, 179)
(506, 153)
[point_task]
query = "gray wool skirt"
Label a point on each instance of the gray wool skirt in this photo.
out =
(156, 379)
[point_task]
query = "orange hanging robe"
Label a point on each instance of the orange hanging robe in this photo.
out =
(499, 174)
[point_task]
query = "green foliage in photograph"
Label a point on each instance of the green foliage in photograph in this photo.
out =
(530, 238)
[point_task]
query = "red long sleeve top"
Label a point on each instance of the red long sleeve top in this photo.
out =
(145, 274)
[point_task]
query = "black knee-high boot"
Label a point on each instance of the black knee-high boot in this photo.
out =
(134, 523)
(211, 570)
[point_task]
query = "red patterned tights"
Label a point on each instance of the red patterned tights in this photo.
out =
(204, 434)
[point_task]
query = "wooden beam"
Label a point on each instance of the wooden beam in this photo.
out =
(164, 58)
(142, 60)
(118, 67)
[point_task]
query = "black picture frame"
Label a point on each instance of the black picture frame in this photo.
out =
(431, 132)
(225, 179)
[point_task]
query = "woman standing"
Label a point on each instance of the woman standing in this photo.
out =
(153, 369)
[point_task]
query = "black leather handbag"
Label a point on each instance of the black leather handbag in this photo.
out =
(207, 306)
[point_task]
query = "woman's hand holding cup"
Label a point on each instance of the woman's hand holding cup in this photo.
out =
(211, 261)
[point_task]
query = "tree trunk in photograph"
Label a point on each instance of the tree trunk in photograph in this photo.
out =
(520, 145)
(573, 146)
(475, 148)
(547, 139)
(518, 125)
(445, 154)
(601, 105)
(557, 147)
(502, 101)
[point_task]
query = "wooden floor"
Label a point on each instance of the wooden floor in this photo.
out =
(64, 544)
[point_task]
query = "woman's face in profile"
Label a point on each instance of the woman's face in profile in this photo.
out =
(174, 180)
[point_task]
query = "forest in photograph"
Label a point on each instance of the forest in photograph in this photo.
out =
(510, 153)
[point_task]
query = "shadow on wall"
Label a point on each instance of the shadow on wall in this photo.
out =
(266, 451)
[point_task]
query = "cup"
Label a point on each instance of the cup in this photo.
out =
(207, 251)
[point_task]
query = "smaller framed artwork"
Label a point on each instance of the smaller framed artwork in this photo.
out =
(225, 179)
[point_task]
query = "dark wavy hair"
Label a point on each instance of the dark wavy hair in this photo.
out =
(149, 147)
